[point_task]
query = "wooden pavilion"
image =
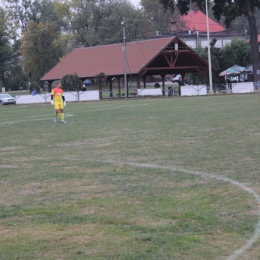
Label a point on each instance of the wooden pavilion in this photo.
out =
(143, 58)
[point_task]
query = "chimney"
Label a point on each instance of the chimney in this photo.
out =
(173, 24)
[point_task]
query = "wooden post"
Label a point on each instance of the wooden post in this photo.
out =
(118, 86)
(110, 87)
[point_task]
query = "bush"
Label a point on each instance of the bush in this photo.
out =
(16, 79)
(71, 83)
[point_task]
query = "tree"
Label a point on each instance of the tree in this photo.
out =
(71, 83)
(25, 11)
(92, 22)
(158, 16)
(16, 79)
(238, 52)
(110, 28)
(197, 78)
(5, 46)
(230, 9)
(242, 22)
(40, 49)
(82, 19)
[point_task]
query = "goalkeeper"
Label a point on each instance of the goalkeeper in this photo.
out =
(58, 99)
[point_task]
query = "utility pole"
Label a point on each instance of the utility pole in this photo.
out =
(209, 53)
(124, 50)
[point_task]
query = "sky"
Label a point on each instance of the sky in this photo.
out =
(135, 2)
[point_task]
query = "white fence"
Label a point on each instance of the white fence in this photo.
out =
(193, 90)
(149, 92)
(243, 87)
(187, 90)
(240, 87)
(69, 96)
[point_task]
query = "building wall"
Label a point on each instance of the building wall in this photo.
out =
(194, 40)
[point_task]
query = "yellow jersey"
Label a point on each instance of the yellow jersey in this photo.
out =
(57, 94)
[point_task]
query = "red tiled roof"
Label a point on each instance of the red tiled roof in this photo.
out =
(196, 21)
(150, 57)
(109, 59)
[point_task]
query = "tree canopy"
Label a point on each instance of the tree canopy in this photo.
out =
(25, 11)
(6, 53)
(230, 10)
(160, 18)
(238, 52)
(40, 49)
(92, 23)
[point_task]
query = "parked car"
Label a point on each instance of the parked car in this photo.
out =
(6, 99)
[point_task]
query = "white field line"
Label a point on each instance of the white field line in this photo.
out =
(14, 108)
(102, 108)
(134, 105)
(32, 118)
(255, 235)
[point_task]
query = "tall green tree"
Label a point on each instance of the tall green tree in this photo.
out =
(16, 79)
(94, 22)
(82, 19)
(242, 22)
(110, 28)
(238, 52)
(230, 10)
(25, 11)
(40, 49)
(159, 17)
(6, 53)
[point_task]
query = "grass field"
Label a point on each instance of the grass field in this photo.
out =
(163, 178)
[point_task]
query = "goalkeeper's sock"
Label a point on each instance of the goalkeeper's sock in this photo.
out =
(55, 117)
(62, 116)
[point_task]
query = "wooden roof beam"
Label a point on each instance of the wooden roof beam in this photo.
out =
(172, 61)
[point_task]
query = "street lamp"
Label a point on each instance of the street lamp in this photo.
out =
(124, 50)
(209, 54)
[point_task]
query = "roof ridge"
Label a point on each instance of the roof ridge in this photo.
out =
(114, 44)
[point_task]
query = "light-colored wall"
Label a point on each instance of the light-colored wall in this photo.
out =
(194, 41)
(193, 90)
(69, 96)
(242, 87)
(187, 90)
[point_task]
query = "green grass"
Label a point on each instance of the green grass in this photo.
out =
(127, 179)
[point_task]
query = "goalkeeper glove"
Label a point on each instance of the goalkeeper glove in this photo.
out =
(64, 103)
(52, 102)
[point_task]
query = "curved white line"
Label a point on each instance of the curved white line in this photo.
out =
(256, 233)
